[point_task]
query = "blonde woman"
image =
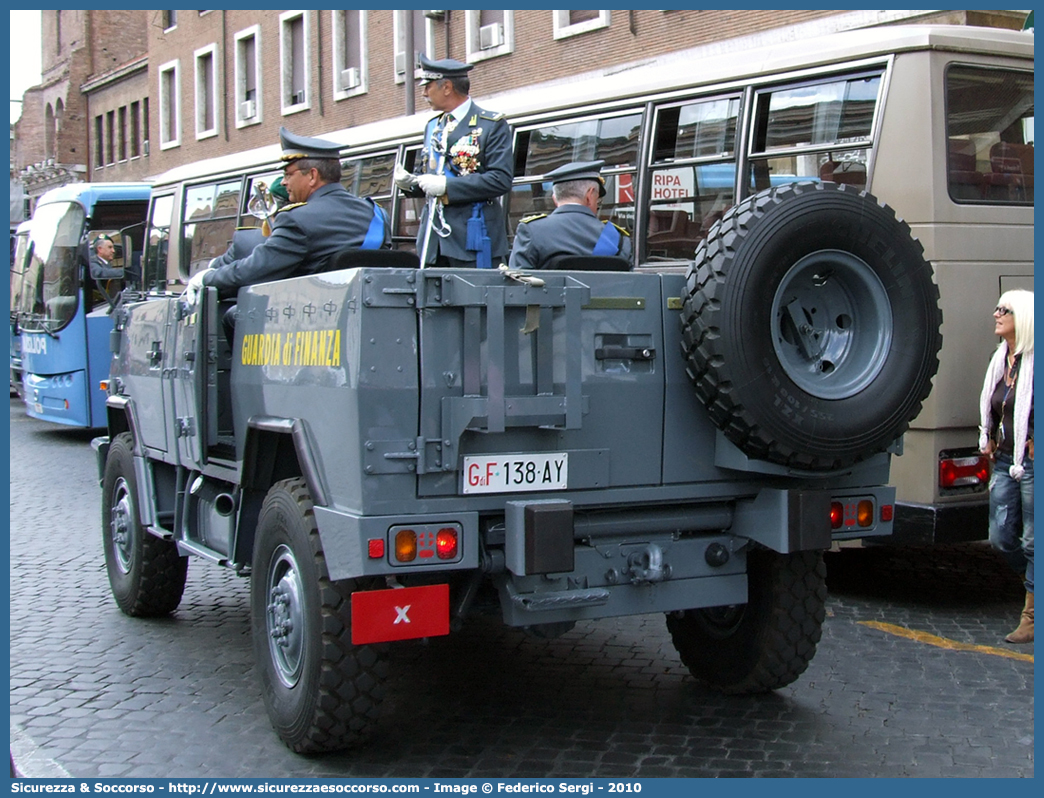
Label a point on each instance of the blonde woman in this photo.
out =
(1006, 434)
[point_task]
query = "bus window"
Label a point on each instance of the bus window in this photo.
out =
(687, 196)
(155, 259)
(817, 131)
(613, 139)
(370, 176)
(989, 125)
(247, 218)
(408, 210)
(210, 220)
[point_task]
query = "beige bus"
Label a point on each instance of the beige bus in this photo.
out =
(935, 121)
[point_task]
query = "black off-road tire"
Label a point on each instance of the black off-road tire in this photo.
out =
(766, 643)
(146, 573)
(811, 326)
(322, 693)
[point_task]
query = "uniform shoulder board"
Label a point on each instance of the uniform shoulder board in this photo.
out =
(622, 230)
(291, 206)
(533, 218)
(494, 116)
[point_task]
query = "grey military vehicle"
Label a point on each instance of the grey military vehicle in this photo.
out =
(385, 452)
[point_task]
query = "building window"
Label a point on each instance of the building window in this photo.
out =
(350, 74)
(248, 76)
(99, 141)
(170, 19)
(122, 119)
(170, 105)
(145, 126)
(423, 40)
(206, 92)
(134, 135)
(489, 33)
(294, 61)
(572, 23)
(110, 137)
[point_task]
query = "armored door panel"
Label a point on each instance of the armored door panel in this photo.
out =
(562, 383)
(192, 365)
(142, 366)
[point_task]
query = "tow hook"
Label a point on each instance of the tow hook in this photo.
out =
(646, 565)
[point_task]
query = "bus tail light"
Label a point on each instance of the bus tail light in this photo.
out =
(963, 472)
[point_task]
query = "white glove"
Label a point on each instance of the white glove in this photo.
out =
(432, 185)
(404, 179)
(194, 288)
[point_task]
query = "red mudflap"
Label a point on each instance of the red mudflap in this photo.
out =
(379, 616)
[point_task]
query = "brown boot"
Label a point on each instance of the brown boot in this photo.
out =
(1024, 634)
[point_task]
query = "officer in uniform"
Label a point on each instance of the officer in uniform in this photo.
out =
(321, 219)
(464, 169)
(573, 228)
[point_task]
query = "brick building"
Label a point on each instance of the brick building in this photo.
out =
(128, 94)
(50, 145)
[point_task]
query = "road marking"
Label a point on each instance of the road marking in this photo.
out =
(942, 642)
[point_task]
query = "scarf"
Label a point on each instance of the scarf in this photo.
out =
(1023, 403)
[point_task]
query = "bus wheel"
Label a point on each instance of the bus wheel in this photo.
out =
(322, 693)
(766, 643)
(146, 573)
(811, 325)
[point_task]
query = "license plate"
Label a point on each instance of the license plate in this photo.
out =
(513, 473)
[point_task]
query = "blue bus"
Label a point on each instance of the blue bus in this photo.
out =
(63, 316)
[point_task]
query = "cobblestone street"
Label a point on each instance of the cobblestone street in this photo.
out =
(95, 693)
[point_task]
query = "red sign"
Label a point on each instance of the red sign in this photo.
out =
(379, 616)
(625, 189)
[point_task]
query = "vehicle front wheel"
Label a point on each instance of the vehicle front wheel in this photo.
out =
(766, 643)
(322, 692)
(146, 573)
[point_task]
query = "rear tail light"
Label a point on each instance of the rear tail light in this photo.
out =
(375, 548)
(446, 543)
(837, 515)
(865, 513)
(420, 545)
(960, 472)
(405, 545)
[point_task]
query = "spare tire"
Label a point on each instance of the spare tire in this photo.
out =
(811, 325)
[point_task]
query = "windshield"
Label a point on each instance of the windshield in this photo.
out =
(51, 283)
(17, 268)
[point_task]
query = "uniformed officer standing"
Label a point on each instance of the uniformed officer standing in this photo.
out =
(321, 219)
(573, 228)
(464, 169)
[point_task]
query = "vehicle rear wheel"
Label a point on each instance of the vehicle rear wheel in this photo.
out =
(811, 326)
(322, 692)
(766, 643)
(146, 573)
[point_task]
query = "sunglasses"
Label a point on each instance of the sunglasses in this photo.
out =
(1003, 311)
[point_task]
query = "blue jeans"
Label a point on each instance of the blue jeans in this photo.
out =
(1011, 517)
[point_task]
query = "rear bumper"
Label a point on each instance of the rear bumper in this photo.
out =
(919, 525)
